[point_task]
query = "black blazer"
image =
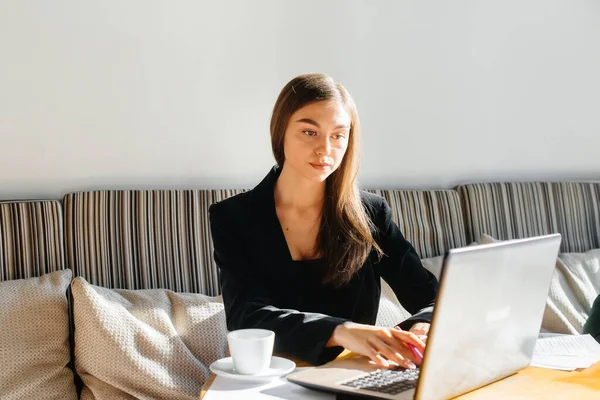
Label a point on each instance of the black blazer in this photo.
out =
(263, 287)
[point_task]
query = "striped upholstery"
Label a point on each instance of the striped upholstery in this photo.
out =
(431, 220)
(518, 210)
(143, 239)
(31, 239)
(161, 239)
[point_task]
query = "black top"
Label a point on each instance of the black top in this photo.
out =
(263, 287)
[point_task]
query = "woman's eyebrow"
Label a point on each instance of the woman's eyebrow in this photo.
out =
(315, 123)
(309, 121)
(342, 126)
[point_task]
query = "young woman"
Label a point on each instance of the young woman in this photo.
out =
(303, 252)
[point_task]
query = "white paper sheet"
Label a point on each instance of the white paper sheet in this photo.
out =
(565, 352)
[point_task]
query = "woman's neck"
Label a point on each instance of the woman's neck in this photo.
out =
(292, 190)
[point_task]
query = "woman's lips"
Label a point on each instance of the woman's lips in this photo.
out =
(320, 166)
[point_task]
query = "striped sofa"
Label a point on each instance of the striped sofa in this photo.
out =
(142, 251)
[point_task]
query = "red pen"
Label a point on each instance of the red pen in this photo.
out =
(413, 349)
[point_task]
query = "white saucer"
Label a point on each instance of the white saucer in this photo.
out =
(279, 367)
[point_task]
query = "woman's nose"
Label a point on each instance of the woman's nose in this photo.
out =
(324, 147)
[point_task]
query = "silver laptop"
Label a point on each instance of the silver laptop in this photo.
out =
(485, 324)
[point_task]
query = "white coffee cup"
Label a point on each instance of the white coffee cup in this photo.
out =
(251, 350)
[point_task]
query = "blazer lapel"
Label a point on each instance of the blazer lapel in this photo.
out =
(265, 226)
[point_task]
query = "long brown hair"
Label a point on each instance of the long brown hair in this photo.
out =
(344, 237)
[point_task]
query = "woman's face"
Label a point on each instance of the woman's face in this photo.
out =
(316, 139)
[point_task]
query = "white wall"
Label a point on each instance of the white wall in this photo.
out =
(178, 94)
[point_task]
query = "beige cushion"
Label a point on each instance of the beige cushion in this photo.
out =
(145, 343)
(583, 272)
(34, 338)
(574, 286)
(390, 310)
(434, 264)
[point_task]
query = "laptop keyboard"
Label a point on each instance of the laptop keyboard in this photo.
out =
(390, 381)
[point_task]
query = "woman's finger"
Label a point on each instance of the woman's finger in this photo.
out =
(420, 328)
(409, 337)
(380, 355)
(376, 357)
(402, 351)
(379, 359)
(393, 352)
(383, 349)
(418, 332)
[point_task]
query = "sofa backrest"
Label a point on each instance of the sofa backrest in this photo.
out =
(143, 239)
(133, 239)
(518, 210)
(31, 239)
(432, 220)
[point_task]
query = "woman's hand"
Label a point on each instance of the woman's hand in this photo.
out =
(379, 344)
(421, 329)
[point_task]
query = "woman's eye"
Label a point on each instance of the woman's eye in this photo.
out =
(339, 136)
(309, 133)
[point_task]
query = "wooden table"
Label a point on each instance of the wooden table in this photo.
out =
(529, 383)
(542, 383)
